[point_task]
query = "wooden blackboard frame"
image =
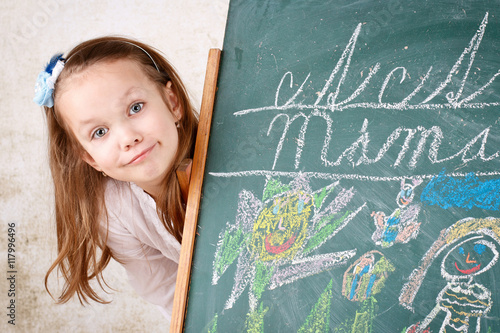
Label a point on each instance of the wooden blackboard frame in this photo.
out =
(195, 185)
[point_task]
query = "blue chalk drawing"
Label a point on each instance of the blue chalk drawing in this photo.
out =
(447, 191)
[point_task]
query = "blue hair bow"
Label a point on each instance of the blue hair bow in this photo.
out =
(44, 88)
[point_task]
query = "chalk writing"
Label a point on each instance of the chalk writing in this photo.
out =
(455, 99)
(362, 144)
(324, 109)
(338, 176)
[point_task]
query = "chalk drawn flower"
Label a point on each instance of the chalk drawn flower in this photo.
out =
(272, 239)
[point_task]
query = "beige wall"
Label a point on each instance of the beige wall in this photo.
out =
(31, 32)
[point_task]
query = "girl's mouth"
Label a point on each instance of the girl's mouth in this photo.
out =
(468, 271)
(141, 156)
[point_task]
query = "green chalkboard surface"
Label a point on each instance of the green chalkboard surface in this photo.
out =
(353, 174)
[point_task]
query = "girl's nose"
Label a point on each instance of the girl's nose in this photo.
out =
(129, 137)
(468, 260)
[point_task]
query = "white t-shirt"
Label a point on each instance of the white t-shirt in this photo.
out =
(137, 237)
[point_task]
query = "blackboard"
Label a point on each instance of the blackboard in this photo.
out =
(352, 179)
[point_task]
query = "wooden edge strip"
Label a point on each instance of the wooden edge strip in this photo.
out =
(193, 203)
(184, 175)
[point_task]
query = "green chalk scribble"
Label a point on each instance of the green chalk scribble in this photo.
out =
(319, 318)
(213, 324)
(230, 249)
(363, 320)
(325, 232)
(320, 197)
(263, 274)
(255, 320)
(274, 187)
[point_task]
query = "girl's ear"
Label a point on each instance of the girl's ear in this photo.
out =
(90, 161)
(175, 106)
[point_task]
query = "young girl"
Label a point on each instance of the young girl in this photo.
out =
(120, 122)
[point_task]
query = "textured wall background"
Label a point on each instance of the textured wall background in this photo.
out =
(31, 32)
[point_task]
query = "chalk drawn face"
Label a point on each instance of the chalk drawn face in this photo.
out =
(406, 195)
(281, 227)
(470, 257)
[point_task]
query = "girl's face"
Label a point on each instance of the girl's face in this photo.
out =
(470, 257)
(120, 118)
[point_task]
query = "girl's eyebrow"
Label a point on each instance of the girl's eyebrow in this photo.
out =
(131, 91)
(85, 126)
(86, 122)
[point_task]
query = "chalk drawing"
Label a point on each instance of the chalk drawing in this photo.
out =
(317, 321)
(255, 320)
(319, 318)
(363, 319)
(362, 280)
(212, 326)
(447, 191)
(366, 276)
(271, 240)
(402, 225)
(472, 248)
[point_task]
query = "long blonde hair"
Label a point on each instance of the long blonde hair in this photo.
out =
(79, 188)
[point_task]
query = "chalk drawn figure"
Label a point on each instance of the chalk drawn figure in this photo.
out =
(402, 225)
(272, 240)
(366, 276)
(472, 247)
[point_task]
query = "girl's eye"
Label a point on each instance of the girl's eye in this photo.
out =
(99, 133)
(136, 108)
(479, 248)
